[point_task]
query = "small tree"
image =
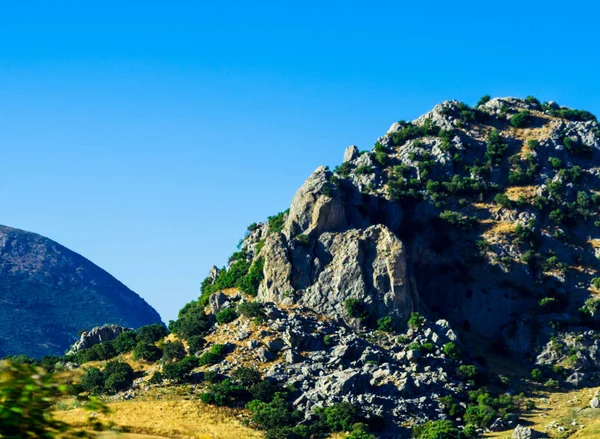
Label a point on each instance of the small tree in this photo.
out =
(125, 342)
(226, 316)
(416, 320)
(147, 352)
(173, 351)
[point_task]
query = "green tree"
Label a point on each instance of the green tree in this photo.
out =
(173, 351)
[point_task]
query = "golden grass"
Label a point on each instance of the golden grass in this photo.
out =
(175, 418)
(514, 192)
(567, 409)
(498, 227)
(595, 243)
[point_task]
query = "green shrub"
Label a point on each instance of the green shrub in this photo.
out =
(227, 315)
(555, 162)
(251, 309)
(276, 222)
(99, 352)
(246, 376)
(467, 372)
(250, 282)
(151, 333)
(264, 391)
(385, 324)
(496, 148)
(173, 351)
(214, 356)
(118, 376)
(156, 378)
(458, 220)
(537, 375)
(453, 351)
(178, 370)
(147, 352)
(328, 340)
(302, 239)
(92, 380)
(364, 170)
(221, 394)
(192, 321)
(483, 100)
(196, 343)
(360, 431)
(596, 282)
(520, 119)
(356, 309)
(125, 342)
(341, 416)
(416, 320)
(344, 170)
(437, 430)
(532, 100)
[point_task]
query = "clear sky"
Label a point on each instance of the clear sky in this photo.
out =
(146, 135)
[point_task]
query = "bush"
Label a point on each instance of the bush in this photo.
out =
(251, 309)
(537, 375)
(275, 414)
(496, 148)
(453, 351)
(385, 324)
(250, 282)
(555, 162)
(99, 352)
(222, 393)
(340, 416)
(125, 342)
(416, 320)
(276, 222)
(467, 372)
(437, 430)
(264, 391)
(596, 282)
(356, 309)
(483, 100)
(245, 376)
(156, 378)
(173, 351)
(147, 352)
(151, 333)
(178, 370)
(196, 343)
(226, 316)
(360, 431)
(214, 356)
(520, 119)
(118, 376)
(92, 380)
(192, 321)
(364, 170)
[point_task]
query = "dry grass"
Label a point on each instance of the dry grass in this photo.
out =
(498, 227)
(514, 192)
(175, 418)
(567, 409)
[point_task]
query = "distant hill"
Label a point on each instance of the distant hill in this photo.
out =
(49, 293)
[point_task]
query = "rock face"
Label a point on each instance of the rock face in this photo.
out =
(367, 265)
(50, 293)
(96, 336)
(314, 209)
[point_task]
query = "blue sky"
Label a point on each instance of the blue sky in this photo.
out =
(147, 135)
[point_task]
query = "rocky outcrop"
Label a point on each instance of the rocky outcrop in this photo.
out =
(316, 208)
(96, 336)
(366, 265)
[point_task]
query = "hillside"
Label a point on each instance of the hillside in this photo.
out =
(49, 293)
(442, 285)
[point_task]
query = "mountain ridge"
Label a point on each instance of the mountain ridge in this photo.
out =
(49, 293)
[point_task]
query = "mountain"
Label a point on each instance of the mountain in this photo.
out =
(49, 293)
(429, 288)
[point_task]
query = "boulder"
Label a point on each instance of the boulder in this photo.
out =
(595, 403)
(521, 432)
(96, 336)
(264, 355)
(218, 302)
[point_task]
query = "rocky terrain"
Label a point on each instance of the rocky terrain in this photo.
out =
(429, 287)
(49, 293)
